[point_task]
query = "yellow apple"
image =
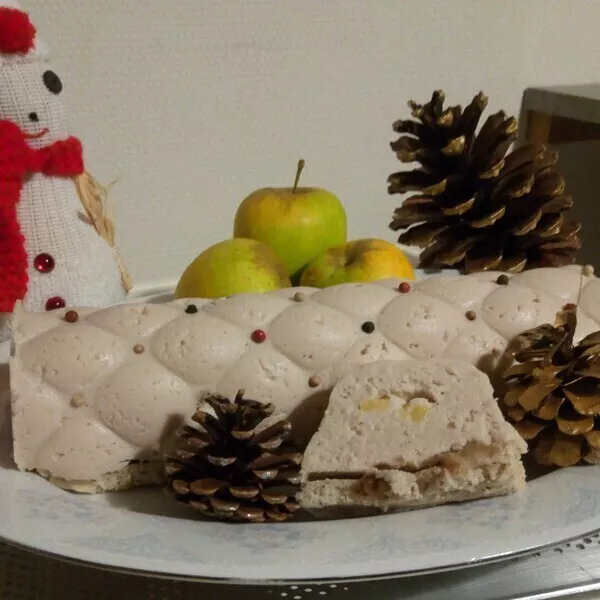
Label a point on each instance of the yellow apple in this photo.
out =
(356, 261)
(232, 267)
(299, 223)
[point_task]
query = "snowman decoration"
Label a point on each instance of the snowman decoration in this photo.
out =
(56, 239)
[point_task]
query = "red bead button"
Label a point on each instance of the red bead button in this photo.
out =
(404, 287)
(54, 303)
(43, 263)
(258, 336)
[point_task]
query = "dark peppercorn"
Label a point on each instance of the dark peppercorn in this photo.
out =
(368, 327)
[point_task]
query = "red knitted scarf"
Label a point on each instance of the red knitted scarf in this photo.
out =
(17, 161)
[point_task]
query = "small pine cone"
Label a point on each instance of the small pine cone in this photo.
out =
(476, 207)
(553, 393)
(235, 466)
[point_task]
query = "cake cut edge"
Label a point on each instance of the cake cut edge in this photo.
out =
(379, 491)
(482, 459)
(134, 475)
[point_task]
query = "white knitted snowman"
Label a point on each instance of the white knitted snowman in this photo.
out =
(54, 255)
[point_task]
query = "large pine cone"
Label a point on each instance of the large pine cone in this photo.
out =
(234, 467)
(477, 208)
(553, 395)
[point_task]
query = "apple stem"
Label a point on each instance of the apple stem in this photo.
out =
(298, 171)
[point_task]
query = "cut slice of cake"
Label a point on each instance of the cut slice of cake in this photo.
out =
(400, 435)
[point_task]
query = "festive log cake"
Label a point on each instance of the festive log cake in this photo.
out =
(408, 434)
(95, 393)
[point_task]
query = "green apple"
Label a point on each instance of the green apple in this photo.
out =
(359, 260)
(232, 267)
(298, 223)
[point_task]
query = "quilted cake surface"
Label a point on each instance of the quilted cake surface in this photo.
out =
(91, 396)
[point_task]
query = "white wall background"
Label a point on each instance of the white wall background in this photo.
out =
(192, 104)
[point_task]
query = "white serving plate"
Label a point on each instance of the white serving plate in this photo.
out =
(145, 532)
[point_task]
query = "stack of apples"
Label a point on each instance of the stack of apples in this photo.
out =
(289, 236)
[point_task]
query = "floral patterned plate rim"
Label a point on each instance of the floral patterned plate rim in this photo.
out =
(145, 532)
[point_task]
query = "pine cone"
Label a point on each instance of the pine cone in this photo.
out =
(233, 469)
(477, 208)
(553, 395)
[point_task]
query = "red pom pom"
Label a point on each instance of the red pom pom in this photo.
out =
(17, 33)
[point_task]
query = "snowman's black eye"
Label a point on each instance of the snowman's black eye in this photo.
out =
(52, 82)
